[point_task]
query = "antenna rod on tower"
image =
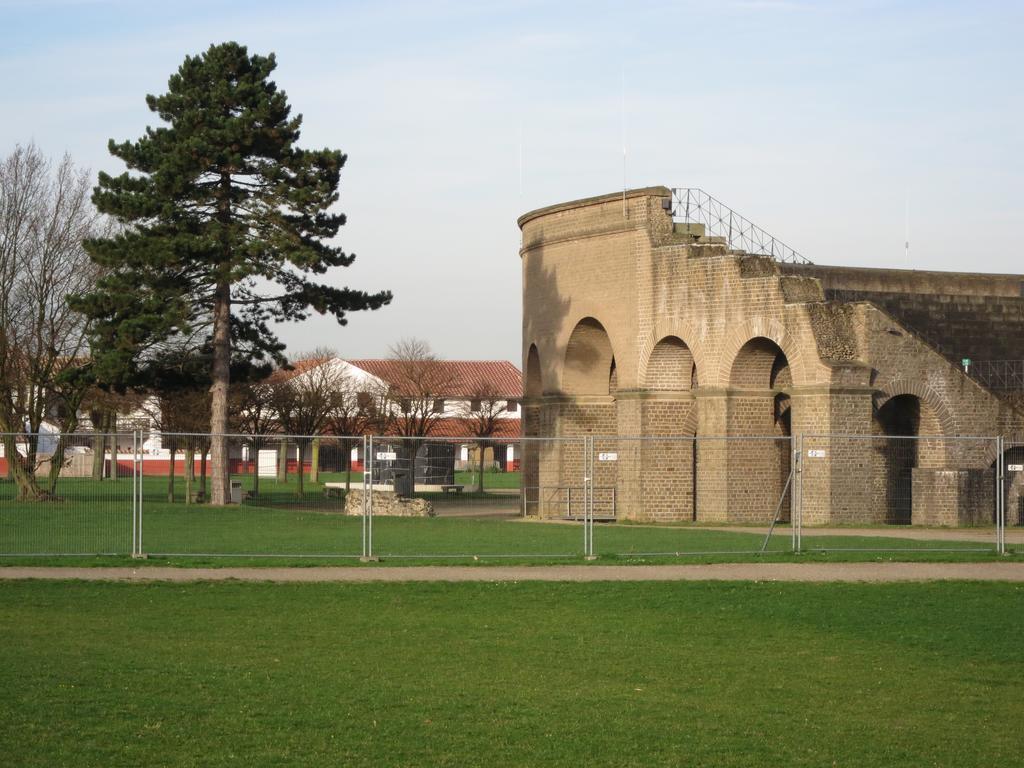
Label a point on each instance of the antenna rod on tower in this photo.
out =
(520, 156)
(623, 120)
(906, 231)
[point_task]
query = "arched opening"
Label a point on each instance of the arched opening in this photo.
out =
(760, 364)
(759, 408)
(532, 384)
(1013, 485)
(783, 415)
(671, 374)
(670, 368)
(907, 422)
(588, 360)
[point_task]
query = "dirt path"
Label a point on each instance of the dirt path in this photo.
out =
(823, 572)
(982, 535)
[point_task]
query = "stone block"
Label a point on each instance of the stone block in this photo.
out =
(387, 504)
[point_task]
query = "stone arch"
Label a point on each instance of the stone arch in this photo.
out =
(533, 384)
(670, 366)
(906, 420)
(1013, 485)
(771, 330)
(760, 364)
(937, 413)
(588, 359)
(680, 330)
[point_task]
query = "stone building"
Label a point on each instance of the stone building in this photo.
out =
(639, 319)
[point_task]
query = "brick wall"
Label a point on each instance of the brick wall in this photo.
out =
(704, 342)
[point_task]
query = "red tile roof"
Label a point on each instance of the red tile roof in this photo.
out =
(467, 378)
(504, 429)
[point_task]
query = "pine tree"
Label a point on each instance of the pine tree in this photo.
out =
(219, 203)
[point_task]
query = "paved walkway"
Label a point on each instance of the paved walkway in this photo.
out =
(833, 572)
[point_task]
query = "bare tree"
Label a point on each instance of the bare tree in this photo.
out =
(482, 413)
(252, 414)
(419, 383)
(179, 415)
(360, 410)
(304, 399)
(45, 213)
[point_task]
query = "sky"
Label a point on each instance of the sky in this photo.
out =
(822, 122)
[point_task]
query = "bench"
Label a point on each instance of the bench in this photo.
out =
(334, 490)
(452, 488)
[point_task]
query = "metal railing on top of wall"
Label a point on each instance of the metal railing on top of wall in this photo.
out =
(695, 206)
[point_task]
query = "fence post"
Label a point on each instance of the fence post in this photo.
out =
(142, 475)
(368, 478)
(588, 497)
(1000, 497)
(798, 512)
(366, 493)
(135, 490)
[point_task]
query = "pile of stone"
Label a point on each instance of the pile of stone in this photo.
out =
(387, 504)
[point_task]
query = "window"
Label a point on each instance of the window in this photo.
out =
(438, 405)
(363, 400)
(474, 405)
(512, 406)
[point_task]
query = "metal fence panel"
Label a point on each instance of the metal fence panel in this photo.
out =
(1013, 493)
(686, 495)
(75, 495)
(896, 493)
(136, 493)
(476, 498)
(289, 495)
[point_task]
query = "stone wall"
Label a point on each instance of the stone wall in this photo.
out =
(634, 326)
(387, 504)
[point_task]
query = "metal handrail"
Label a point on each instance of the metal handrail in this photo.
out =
(559, 498)
(695, 206)
(999, 375)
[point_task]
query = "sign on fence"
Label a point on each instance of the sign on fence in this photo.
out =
(816, 453)
(387, 456)
(1015, 468)
(607, 457)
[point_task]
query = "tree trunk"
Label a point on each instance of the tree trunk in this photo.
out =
(255, 468)
(202, 470)
(221, 375)
(99, 452)
(282, 462)
(57, 460)
(173, 448)
(301, 450)
(190, 470)
(347, 458)
(110, 427)
(314, 466)
(22, 471)
(482, 447)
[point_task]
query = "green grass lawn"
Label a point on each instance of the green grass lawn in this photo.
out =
(95, 517)
(641, 674)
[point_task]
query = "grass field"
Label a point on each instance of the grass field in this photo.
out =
(96, 518)
(648, 674)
